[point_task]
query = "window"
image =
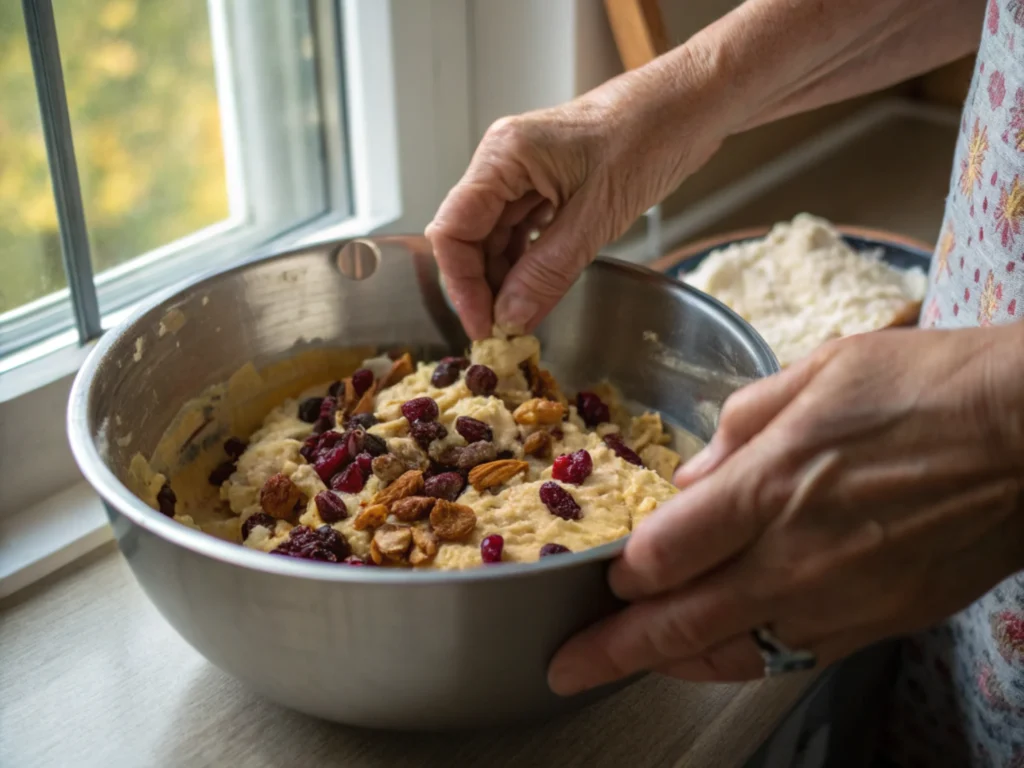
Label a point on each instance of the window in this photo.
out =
(180, 135)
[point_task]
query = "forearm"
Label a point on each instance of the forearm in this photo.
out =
(919, 38)
(771, 58)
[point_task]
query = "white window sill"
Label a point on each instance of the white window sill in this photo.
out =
(38, 540)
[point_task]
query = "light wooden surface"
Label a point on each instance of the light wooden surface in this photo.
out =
(639, 30)
(91, 675)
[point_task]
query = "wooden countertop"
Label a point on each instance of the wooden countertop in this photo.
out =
(91, 675)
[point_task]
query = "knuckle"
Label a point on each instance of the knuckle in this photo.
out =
(673, 633)
(548, 277)
(508, 133)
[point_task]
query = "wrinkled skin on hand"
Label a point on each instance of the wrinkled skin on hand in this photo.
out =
(579, 174)
(870, 490)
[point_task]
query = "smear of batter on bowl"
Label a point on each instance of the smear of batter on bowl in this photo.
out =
(449, 464)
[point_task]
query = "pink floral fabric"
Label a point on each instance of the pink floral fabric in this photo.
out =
(959, 698)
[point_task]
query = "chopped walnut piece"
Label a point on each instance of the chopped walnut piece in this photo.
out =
(476, 453)
(424, 546)
(372, 516)
(412, 508)
(388, 468)
(496, 473)
(392, 542)
(538, 444)
(451, 521)
(538, 411)
(409, 484)
(401, 368)
(279, 497)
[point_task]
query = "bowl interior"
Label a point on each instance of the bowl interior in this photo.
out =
(269, 329)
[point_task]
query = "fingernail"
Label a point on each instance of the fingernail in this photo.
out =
(516, 311)
(567, 678)
(697, 465)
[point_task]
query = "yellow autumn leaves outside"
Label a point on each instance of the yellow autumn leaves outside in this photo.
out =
(141, 92)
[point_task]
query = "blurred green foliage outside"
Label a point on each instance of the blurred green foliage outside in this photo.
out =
(142, 94)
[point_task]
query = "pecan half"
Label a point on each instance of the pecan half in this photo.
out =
(349, 399)
(538, 444)
(495, 473)
(279, 497)
(412, 508)
(401, 368)
(388, 468)
(545, 386)
(365, 404)
(392, 542)
(424, 546)
(451, 521)
(476, 453)
(372, 516)
(408, 484)
(538, 411)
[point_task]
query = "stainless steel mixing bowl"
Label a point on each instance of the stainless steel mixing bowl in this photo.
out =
(371, 646)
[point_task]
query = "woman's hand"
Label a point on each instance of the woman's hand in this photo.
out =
(870, 490)
(580, 173)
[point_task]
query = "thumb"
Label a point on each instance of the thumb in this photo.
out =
(548, 268)
(746, 413)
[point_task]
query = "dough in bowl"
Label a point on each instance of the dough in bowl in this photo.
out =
(437, 465)
(801, 285)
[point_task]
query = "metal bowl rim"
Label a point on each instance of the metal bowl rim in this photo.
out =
(117, 495)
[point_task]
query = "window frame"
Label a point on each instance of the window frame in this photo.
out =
(407, 87)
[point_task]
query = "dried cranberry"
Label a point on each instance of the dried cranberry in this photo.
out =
(364, 420)
(445, 374)
(560, 502)
(349, 480)
(324, 544)
(335, 389)
(328, 406)
(375, 446)
(309, 446)
(572, 467)
(222, 472)
(309, 409)
(481, 380)
(362, 380)
(491, 547)
(592, 409)
(554, 549)
(334, 541)
(557, 433)
(447, 485)
(166, 500)
(330, 462)
(473, 430)
(623, 451)
(425, 432)
(331, 508)
(420, 409)
(234, 448)
(356, 560)
(259, 518)
(365, 463)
